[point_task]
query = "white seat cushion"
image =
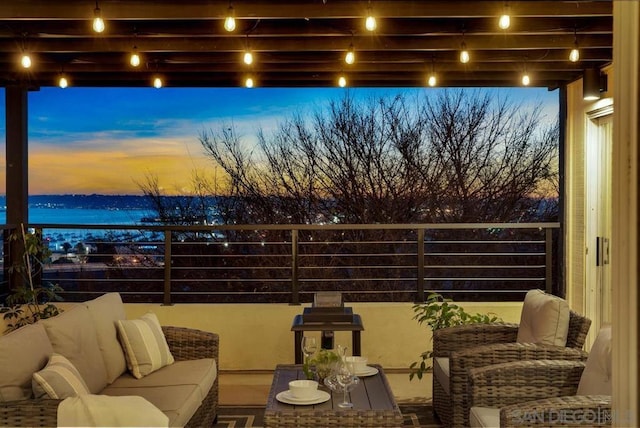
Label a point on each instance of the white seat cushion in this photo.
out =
(441, 372)
(544, 319)
(484, 417)
(596, 377)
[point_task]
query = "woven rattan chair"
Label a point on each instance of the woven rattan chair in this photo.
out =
(463, 347)
(184, 343)
(544, 393)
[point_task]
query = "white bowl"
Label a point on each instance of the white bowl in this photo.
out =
(303, 389)
(357, 364)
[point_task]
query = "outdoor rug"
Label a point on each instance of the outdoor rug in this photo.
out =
(415, 415)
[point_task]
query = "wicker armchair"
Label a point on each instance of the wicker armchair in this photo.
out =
(184, 343)
(543, 393)
(477, 345)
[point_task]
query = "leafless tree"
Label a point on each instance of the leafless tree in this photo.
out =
(463, 156)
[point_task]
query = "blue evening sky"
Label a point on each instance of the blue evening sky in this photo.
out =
(105, 140)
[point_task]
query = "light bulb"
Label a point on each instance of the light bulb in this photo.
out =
(248, 58)
(157, 83)
(342, 81)
(98, 22)
(464, 54)
(350, 57)
(63, 83)
(370, 23)
(504, 22)
(248, 83)
(432, 81)
(525, 79)
(25, 61)
(135, 59)
(574, 55)
(229, 21)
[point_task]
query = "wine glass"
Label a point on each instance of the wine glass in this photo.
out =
(344, 377)
(309, 346)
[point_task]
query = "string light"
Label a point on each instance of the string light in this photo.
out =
(98, 22)
(25, 60)
(230, 21)
(464, 53)
(63, 82)
(505, 19)
(574, 55)
(350, 56)
(432, 80)
(526, 80)
(157, 82)
(370, 22)
(248, 58)
(134, 60)
(248, 83)
(342, 81)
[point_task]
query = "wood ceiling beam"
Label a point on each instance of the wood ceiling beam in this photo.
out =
(279, 44)
(166, 9)
(323, 27)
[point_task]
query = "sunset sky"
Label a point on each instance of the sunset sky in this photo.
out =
(105, 141)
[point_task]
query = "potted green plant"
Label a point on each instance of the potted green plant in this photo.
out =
(320, 365)
(438, 312)
(28, 302)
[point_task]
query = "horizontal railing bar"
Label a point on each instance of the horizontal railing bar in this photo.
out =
(390, 226)
(453, 278)
(486, 267)
(483, 242)
(486, 254)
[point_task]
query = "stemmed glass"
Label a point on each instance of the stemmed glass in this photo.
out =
(309, 347)
(344, 377)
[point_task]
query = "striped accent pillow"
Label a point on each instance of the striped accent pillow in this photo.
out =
(58, 380)
(144, 344)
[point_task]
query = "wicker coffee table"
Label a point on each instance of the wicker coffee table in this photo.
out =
(374, 404)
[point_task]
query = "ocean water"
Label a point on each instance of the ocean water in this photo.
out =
(79, 216)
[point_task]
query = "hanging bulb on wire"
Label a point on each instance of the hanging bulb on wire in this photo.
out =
(98, 22)
(464, 53)
(230, 21)
(370, 22)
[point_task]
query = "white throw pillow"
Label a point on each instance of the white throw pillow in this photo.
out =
(544, 319)
(105, 311)
(73, 334)
(596, 377)
(59, 379)
(144, 344)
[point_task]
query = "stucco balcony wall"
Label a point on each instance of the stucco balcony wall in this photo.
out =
(259, 336)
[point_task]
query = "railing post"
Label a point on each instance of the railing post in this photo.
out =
(420, 273)
(295, 292)
(548, 263)
(166, 297)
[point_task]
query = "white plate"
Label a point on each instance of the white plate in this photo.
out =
(286, 397)
(369, 371)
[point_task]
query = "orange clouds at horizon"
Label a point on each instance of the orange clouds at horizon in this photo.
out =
(113, 167)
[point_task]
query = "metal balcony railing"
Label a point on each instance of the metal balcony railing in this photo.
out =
(288, 263)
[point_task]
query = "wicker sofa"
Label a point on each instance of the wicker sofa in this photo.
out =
(185, 390)
(458, 349)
